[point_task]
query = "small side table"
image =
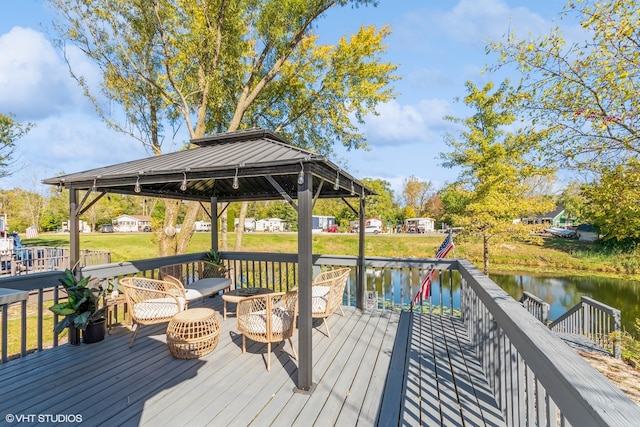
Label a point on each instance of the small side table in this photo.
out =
(112, 305)
(193, 333)
(237, 295)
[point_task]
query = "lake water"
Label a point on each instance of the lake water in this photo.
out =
(563, 292)
(560, 292)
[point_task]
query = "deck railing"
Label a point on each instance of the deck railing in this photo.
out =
(34, 259)
(593, 319)
(536, 378)
(536, 306)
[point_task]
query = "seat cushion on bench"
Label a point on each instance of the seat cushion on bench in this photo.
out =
(205, 287)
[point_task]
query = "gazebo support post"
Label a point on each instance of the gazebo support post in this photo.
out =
(74, 231)
(214, 223)
(360, 271)
(305, 271)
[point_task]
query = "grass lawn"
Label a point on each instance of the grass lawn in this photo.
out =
(554, 255)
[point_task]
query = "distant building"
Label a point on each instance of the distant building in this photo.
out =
(249, 224)
(419, 225)
(321, 222)
(556, 218)
(131, 223)
(270, 224)
(202, 226)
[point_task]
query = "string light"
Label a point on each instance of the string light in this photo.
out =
(235, 183)
(137, 188)
(183, 186)
(336, 185)
(93, 187)
(353, 190)
(59, 189)
(301, 174)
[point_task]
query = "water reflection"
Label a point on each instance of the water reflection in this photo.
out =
(563, 292)
(398, 287)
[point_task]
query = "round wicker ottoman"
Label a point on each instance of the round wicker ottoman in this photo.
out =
(193, 333)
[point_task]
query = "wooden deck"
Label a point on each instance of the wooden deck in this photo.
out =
(370, 371)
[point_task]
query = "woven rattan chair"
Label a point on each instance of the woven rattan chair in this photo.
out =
(326, 293)
(199, 279)
(151, 301)
(269, 318)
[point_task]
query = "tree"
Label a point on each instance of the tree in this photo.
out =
(10, 132)
(495, 165)
(615, 213)
(416, 193)
(585, 92)
(215, 65)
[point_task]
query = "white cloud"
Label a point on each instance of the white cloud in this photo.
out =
(34, 82)
(401, 124)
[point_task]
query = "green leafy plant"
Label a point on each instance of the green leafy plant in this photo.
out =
(213, 257)
(82, 306)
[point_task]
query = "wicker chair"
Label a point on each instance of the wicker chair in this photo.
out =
(151, 301)
(199, 279)
(326, 293)
(255, 324)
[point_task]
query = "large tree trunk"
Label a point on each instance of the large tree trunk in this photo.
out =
(485, 253)
(188, 227)
(224, 246)
(240, 231)
(167, 241)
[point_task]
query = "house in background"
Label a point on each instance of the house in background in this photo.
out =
(270, 224)
(321, 222)
(132, 223)
(556, 218)
(249, 224)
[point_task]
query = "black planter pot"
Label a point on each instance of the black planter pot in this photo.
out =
(74, 335)
(94, 332)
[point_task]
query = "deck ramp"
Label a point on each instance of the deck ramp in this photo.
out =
(434, 378)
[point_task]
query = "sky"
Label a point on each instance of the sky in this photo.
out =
(437, 44)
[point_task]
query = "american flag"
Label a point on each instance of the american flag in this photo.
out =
(425, 287)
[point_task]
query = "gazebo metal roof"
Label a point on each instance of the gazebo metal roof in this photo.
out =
(264, 165)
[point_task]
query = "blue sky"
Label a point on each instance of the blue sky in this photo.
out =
(438, 44)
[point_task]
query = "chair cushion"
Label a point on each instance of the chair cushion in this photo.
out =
(319, 297)
(157, 308)
(205, 287)
(280, 321)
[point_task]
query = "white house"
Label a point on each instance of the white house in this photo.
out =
(249, 224)
(420, 225)
(270, 224)
(131, 223)
(202, 226)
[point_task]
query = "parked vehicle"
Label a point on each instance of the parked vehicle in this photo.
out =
(333, 228)
(375, 229)
(106, 228)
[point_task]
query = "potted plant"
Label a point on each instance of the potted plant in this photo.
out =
(81, 311)
(218, 269)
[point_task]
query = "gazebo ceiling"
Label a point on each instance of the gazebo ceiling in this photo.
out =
(262, 164)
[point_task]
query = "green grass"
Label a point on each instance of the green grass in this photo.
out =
(554, 255)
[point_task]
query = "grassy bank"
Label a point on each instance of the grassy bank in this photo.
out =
(554, 255)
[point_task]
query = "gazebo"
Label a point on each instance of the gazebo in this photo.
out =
(248, 165)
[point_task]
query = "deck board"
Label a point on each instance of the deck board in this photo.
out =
(370, 354)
